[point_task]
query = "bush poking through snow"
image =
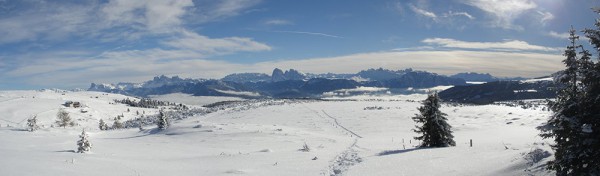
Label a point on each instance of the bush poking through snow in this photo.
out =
(83, 144)
(305, 148)
(32, 124)
(536, 156)
(162, 121)
(63, 119)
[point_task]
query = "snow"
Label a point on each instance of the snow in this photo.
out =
(358, 90)
(436, 88)
(537, 80)
(475, 82)
(189, 99)
(344, 139)
(521, 91)
(242, 93)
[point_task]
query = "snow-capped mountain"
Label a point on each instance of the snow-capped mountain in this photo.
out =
(157, 81)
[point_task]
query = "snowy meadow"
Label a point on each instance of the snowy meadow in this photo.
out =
(360, 135)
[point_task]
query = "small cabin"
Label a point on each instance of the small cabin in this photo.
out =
(76, 104)
(68, 103)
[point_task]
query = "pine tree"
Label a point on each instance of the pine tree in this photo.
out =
(435, 130)
(83, 143)
(575, 122)
(102, 125)
(32, 124)
(63, 119)
(163, 120)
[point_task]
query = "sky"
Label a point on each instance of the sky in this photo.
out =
(72, 43)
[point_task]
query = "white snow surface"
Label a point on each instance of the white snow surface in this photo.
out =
(189, 99)
(538, 80)
(242, 93)
(343, 136)
(475, 82)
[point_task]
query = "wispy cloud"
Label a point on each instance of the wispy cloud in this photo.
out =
(504, 12)
(112, 20)
(557, 35)
(465, 14)
(154, 16)
(309, 33)
(278, 22)
(509, 45)
(199, 43)
(422, 12)
(545, 17)
(207, 12)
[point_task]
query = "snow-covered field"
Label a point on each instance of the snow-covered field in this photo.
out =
(360, 135)
(193, 100)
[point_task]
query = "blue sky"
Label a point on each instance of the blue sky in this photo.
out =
(68, 44)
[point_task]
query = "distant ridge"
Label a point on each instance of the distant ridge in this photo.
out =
(290, 83)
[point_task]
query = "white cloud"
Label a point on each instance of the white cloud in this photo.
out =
(422, 12)
(112, 20)
(309, 33)
(152, 15)
(503, 11)
(545, 17)
(465, 14)
(207, 12)
(45, 22)
(278, 22)
(70, 70)
(199, 43)
(509, 45)
(557, 35)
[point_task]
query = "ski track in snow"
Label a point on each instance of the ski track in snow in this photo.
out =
(343, 161)
(336, 122)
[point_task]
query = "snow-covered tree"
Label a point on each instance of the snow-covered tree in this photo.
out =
(63, 119)
(117, 124)
(32, 124)
(83, 144)
(163, 120)
(575, 122)
(102, 125)
(435, 130)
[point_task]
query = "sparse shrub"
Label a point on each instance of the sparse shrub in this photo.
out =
(305, 148)
(64, 119)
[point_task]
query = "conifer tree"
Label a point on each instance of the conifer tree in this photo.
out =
(575, 122)
(435, 130)
(32, 124)
(163, 120)
(563, 124)
(83, 144)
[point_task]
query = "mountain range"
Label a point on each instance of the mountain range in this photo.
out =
(281, 84)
